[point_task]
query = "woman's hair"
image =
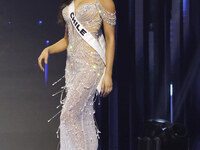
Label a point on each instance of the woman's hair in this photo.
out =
(60, 16)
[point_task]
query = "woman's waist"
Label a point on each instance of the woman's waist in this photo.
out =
(78, 65)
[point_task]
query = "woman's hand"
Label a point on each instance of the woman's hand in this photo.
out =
(107, 85)
(43, 56)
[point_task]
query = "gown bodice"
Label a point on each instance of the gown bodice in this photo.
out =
(81, 57)
(79, 53)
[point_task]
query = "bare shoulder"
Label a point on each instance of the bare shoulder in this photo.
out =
(108, 5)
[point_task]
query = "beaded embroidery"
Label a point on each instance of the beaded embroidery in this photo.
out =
(84, 68)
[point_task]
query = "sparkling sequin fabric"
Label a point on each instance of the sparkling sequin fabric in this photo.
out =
(84, 68)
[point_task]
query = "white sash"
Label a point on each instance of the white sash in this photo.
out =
(87, 36)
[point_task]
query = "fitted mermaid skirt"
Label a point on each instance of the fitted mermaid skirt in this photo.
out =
(83, 71)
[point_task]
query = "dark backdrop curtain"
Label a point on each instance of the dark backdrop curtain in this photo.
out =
(157, 43)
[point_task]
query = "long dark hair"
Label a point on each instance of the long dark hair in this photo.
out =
(60, 16)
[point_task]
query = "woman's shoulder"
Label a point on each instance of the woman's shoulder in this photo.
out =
(106, 5)
(107, 11)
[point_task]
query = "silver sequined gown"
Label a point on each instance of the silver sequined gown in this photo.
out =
(84, 68)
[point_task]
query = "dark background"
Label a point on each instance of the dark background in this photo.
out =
(157, 42)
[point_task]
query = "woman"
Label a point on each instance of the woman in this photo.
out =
(84, 69)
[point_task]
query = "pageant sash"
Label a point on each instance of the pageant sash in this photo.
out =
(87, 36)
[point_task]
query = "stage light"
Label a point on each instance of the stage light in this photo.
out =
(46, 73)
(46, 65)
(171, 103)
(47, 42)
(174, 137)
(40, 22)
(154, 127)
(185, 5)
(160, 134)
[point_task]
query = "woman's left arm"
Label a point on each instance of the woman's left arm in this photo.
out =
(109, 31)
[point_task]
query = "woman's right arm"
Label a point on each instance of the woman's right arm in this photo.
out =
(58, 47)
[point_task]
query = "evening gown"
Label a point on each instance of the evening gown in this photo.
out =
(84, 68)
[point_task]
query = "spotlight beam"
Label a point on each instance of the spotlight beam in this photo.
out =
(189, 79)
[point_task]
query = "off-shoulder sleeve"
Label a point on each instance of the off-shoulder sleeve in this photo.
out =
(107, 16)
